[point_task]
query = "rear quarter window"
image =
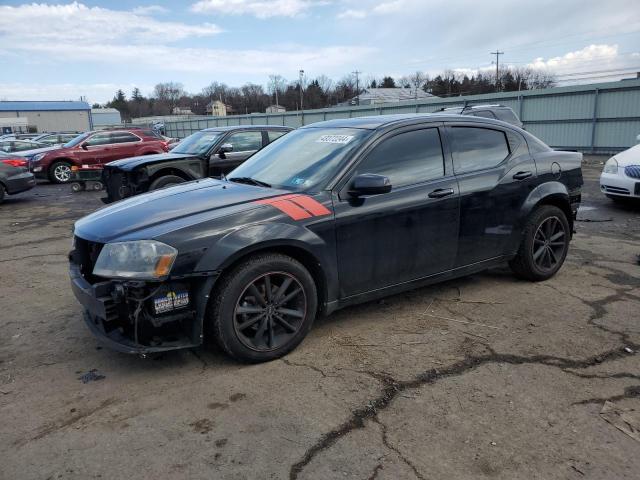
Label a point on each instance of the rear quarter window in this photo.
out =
(477, 148)
(506, 115)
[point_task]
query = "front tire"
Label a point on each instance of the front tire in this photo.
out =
(60, 172)
(165, 181)
(544, 245)
(263, 308)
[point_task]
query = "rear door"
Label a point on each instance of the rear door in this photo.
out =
(123, 145)
(408, 233)
(244, 143)
(495, 173)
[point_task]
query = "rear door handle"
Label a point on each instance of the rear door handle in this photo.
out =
(441, 192)
(522, 175)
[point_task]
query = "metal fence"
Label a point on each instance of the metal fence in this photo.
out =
(597, 118)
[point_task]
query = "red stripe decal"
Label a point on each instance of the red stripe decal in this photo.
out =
(298, 207)
(287, 207)
(311, 205)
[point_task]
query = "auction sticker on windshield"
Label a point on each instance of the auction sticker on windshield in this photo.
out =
(335, 139)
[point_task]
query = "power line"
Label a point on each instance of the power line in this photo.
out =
(497, 53)
(357, 73)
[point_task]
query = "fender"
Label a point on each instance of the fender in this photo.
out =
(192, 167)
(543, 192)
(239, 243)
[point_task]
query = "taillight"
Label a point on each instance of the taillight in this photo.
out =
(15, 162)
(165, 146)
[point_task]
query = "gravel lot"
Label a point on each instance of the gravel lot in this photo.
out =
(482, 377)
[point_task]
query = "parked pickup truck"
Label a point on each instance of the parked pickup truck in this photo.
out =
(332, 214)
(208, 153)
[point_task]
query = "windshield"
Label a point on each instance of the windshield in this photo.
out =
(77, 140)
(303, 159)
(197, 144)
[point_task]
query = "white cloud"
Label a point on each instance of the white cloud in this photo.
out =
(96, 92)
(150, 10)
(389, 7)
(352, 14)
(257, 8)
(81, 25)
(579, 59)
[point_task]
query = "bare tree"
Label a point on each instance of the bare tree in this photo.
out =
(276, 85)
(169, 93)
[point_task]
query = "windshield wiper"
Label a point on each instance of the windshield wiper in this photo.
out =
(250, 181)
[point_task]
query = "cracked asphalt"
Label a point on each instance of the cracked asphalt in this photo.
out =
(481, 377)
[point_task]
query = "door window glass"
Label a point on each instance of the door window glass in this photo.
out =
(245, 141)
(99, 139)
(273, 134)
(483, 114)
(406, 158)
(477, 148)
(123, 137)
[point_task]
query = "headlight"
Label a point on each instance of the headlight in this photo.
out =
(611, 166)
(38, 156)
(142, 259)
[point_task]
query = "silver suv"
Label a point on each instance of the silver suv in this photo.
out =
(497, 112)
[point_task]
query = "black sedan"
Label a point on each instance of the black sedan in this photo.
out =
(14, 175)
(333, 214)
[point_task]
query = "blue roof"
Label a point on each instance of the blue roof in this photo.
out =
(42, 106)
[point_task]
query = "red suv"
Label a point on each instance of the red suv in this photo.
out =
(93, 148)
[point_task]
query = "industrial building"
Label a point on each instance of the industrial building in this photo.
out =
(68, 116)
(105, 117)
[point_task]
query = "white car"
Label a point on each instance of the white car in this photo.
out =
(621, 175)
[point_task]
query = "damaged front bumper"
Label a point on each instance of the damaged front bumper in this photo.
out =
(141, 317)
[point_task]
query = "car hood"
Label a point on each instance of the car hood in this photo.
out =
(130, 163)
(628, 157)
(35, 151)
(156, 213)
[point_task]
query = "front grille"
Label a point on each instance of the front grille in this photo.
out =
(87, 255)
(632, 171)
(621, 191)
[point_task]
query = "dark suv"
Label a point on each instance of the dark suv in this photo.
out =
(332, 214)
(495, 112)
(208, 153)
(95, 148)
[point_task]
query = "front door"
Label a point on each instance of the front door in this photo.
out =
(408, 233)
(98, 146)
(244, 145)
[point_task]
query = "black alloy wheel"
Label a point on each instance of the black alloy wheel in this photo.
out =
(549, 244)
(262, 308)
(270, 311)
(544, 245)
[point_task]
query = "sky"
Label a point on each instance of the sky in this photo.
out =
(55, 51)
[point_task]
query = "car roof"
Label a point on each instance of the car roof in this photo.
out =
(382, 121)
(246, 127)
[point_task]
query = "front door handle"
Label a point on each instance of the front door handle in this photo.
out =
(522, 175)
(441, 192)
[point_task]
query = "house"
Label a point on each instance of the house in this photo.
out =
(46, 116)
(275, 109)
(217, 108)
(104, 117)
(181, 111)
(377, 96)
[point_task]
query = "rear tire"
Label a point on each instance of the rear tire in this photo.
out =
(263, 308)
(544, 246)
(60, 172)
(165, 181)
(1, 193)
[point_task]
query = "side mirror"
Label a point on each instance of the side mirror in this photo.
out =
(369, 184)
(84, 145)
(225, 148)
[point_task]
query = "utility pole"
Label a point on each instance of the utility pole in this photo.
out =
(301, 75)
(497, 53)
(357, 73)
